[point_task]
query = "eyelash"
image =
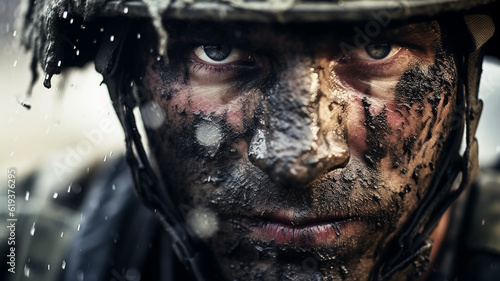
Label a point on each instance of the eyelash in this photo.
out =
(230, 70)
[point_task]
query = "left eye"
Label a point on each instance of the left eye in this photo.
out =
(218, 54)
(376, 52)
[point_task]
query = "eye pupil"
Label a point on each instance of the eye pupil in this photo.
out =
(378, 51)
(217, 52)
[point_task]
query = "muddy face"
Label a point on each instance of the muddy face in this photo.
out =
(294, 158)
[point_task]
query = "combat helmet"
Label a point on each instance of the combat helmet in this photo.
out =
(54, 29)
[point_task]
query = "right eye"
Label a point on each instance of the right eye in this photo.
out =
(218, 54)
(376, 52)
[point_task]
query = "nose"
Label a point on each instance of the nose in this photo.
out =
(301, 133)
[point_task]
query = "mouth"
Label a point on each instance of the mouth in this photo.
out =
(282, 229)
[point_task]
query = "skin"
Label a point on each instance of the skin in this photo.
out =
(307, 158)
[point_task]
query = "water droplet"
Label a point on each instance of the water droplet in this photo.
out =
(65, 14)
(55, 195)
(48, 266)
(14, 33)
(62, 234)
(32, 230)
(26, 271)
(77, 52)
(203, 222)
(343, 270)
(125, 10)
(12, 153)
(79, 275)
(63, 264)
(27, 196)
(59, 63)
(153, 115)
(78, 227)
(104, 160)
(69, 188)
(105, 218)
(82, 26)
(113, 187)
(483, 221)
(111, 153)
(15, 63)
(138, 36)
(208, 134)
(112, 38)
(71, 20)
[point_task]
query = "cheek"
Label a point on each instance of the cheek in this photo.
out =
(235, 106)
(357, 123)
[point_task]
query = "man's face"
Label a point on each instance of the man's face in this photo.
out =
(302, 152)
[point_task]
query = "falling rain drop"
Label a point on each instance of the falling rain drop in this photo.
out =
(111, 153)
(203, 222)
(55, 195)
(32, 230)
(482, 222)
(69, 188)
(14, 33)
(79, 275)
(59, 63)
(153, 115)
(15, 63)
(125, 10)
(12, 153)
(62, 234)
(104, 160)
(26, 271)
(78, 227)
(77, 52)
(71, 21)
(112, 38)
(138, 36)
(27, 196)
(48, 266)
(65, 14)
(113, 187)
(63, 264)
(208, 134)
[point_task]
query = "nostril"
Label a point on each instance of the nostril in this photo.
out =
(290, 164)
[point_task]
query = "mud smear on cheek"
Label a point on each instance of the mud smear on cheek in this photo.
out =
(377, 130)
(418, 89)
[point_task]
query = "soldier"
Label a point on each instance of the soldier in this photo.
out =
(287, 140)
